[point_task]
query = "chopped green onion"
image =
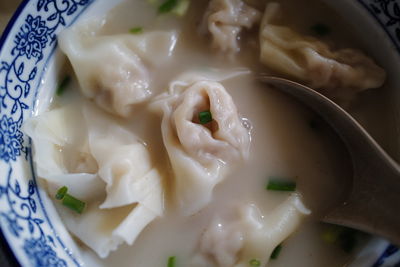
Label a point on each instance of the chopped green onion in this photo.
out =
(345, 238)
(275, 253)
(181, 8)
(331, 235)
(136, 30)
(321, 29)
(205, 117)
(167, 6)
(61, 192)
(176, 7)
(64, 83)
(275, 184)
(73, 203)
(171, 261)
(255, 263)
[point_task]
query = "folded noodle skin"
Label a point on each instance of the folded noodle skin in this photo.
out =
(200, 155)
(116, 70)
(248, 235)
(338, 74)
(101, 163)
(225, 19)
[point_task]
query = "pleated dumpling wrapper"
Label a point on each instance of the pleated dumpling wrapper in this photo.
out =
(225, 19)
(101, 163)
(200, 154)
(116, 71)
(339, 74)
(248, 234)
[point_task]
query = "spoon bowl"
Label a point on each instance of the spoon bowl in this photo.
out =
(373, 203)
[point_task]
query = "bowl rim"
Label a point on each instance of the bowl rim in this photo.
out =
(6, 251)
(11, 26)
(62, 254)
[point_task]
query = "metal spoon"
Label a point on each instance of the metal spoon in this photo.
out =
(373, 204)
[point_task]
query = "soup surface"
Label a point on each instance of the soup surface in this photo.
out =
(286, 142)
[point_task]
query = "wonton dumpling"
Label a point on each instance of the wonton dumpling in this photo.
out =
(225, 20)
(115, 71)
(61, 153)
(109, 164)
(124, 164)
(338, 74)
(234, 242)
(200, 154)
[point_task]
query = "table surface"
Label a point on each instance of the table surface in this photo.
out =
(7, 8)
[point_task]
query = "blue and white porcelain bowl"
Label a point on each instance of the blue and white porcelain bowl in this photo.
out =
(29, 63)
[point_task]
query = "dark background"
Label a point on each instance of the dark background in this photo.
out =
(7, 258)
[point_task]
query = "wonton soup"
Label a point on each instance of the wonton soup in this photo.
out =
(161, 148)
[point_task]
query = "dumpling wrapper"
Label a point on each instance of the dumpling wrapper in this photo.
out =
(61, 154)
(121, 175)
(233, 243)
(225, 19)
(104, 230)
(338, 74)
(115, 70)
(200, 155)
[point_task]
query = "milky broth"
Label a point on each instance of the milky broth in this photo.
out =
(284, 142)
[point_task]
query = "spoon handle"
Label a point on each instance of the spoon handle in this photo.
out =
(373, 202)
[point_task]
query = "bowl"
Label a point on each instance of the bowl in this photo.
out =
(29, 64)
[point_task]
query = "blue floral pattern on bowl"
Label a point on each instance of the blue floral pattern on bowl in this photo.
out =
(24, 221)
(387, 13)
(25, 48)
(10, 139)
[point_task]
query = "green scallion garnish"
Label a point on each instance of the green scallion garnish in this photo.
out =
(205, 117)
(73, 203)
(275, 184)
(181, 8)
(275, 253)
(167, 6)
(70, 201)
(345, 238)
(321, 29)
(136, 30)
(63, 85)
(171, 261)
(331, 235)
(61, 192)
(176, 7)
(254, 263)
